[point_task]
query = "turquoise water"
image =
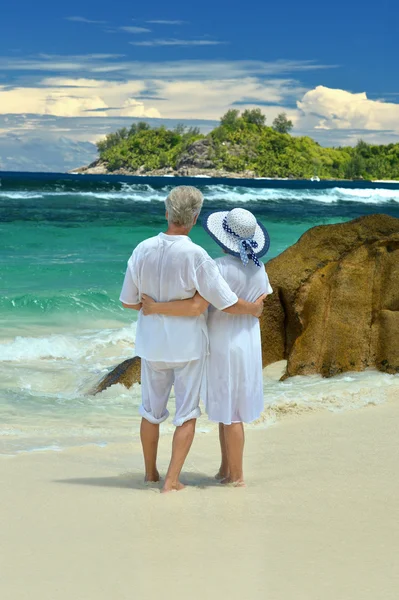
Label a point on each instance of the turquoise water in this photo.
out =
(63, 254)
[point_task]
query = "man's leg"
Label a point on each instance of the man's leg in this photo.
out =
(156, 383)
(182, 441)
(188, 380)
(235, 439)
(149, 434)
(223, 472)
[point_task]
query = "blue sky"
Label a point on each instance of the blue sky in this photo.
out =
(70, 72)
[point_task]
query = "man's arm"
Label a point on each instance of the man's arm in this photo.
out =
(213, 289)
(191, 307)
(133, 306)
(130, 294)
(196, 305)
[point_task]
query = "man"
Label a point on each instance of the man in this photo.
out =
(173, 349)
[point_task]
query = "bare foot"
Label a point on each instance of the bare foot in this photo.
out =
(172, 487)
(228, 481)
(152, 477)
(221, 474)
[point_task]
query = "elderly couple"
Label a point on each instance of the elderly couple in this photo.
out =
(215, 354)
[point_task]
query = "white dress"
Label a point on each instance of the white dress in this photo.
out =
(233, 387)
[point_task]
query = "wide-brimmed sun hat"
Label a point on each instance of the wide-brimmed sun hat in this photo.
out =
(239, 233)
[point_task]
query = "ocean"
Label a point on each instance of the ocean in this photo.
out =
(63, 253)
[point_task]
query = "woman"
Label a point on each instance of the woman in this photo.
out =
(233, 386)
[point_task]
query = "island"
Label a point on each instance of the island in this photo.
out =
(242, 146)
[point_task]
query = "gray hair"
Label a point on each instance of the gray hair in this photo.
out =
(183, 204)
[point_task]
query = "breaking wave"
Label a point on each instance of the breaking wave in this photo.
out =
(220, 193)
(67, 346)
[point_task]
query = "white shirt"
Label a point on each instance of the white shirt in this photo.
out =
(172, 267)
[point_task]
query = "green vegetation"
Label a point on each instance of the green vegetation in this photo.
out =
(282, 124)
(143, 146)
(245, 143)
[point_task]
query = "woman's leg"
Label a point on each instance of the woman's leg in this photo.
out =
(224, 467)
(235, 439)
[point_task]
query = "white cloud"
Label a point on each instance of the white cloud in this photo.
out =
(51, 63)
(330, 109)
(209, 99)
(166, 22)
(70, 106)
(173, 98)
(84, 20)
(77, 97)
(217, 69)
(135, 108)
(173, 89)
(84, 65)
(62, 82)
(174, 42)
(135, 29)
(49, 101)
(113, 87)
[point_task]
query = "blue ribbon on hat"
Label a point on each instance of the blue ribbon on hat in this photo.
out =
(246, 245)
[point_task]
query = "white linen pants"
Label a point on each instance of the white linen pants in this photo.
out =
(157, 379)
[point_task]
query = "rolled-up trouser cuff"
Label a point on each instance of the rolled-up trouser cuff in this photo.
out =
(149, 417)
(194, 414)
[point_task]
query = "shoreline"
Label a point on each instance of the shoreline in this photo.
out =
(96, 423)
(319, 518)
(194, 172)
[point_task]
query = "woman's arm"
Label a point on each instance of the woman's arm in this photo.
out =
(242, 307)
(192, 307)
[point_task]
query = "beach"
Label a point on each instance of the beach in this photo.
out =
(65, 244)
(318, 518)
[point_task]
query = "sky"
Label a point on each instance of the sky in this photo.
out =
(72, 72)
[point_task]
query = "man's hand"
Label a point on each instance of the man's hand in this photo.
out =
(258, 306)
(148, 305)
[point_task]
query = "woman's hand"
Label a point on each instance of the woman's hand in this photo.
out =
(199, 305)
(148, 305)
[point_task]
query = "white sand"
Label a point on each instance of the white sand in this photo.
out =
(319, 519)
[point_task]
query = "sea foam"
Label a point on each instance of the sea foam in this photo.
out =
(69, 347)
(222, 193)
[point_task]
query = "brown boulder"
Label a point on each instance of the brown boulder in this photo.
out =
(335, 306)
(127, 373)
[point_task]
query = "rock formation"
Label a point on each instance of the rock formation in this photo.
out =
(127, 373)
(199, 154)
(336, 301)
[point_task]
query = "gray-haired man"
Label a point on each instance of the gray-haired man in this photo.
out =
(173, 349)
